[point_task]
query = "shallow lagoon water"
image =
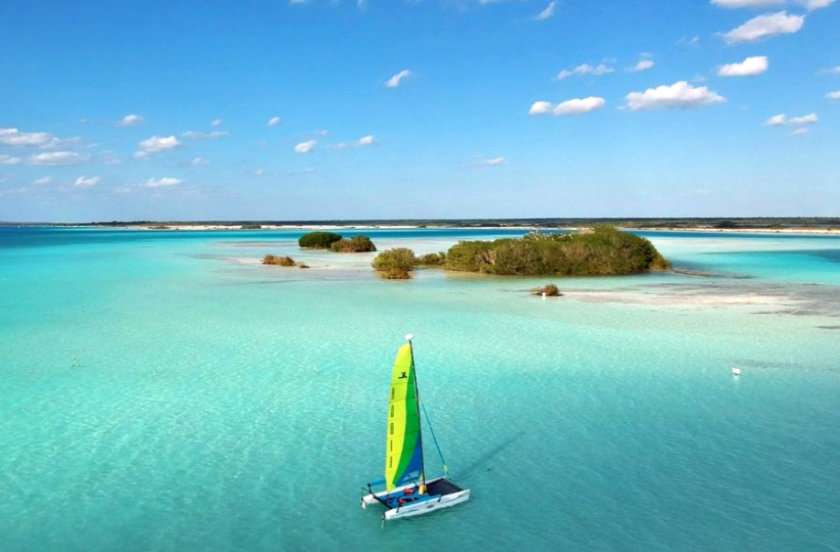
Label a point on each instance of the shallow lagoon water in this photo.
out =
(165, 391)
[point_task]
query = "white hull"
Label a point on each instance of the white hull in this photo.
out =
(419, 507)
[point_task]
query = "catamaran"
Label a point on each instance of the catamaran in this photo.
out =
(407, 492)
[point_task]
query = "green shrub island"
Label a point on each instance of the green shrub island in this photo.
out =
(356, 244)
(279, 261)
(336, 242)
(432, 259)
(395, 264)
(603, 251)
(318, 240)
(548, 290)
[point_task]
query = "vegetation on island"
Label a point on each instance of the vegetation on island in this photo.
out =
(336, 242)
(432, 259)
(602, 251)
(548, 290)
(395, 264)
(318, 240)
(356, 244)
(278, 261)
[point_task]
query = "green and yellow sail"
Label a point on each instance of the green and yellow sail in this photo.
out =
(404, 444)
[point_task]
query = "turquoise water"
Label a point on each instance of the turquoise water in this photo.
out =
(164, 391)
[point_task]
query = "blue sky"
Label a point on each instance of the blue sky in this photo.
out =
(331, 109)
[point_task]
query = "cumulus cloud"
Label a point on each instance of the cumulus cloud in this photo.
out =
(678, 95)
(750, 66)
(306, 147)
(16, 138)
(162, 182)
(575, 106)
(831, 70)
(395, 81)
(156, 144)
(817, 4)
(10, 159)
(548, 12)
(274, 121)
(131, 120)
(765, 26)
(833, 95)
(781, 119)
(198, 135)
(198, 161)
(643, 64)
(86, 182)
(57, 158)
(368, 140)
(585, 69)
(747, 3)
(42, 181)
(216, 122)
(800, 131)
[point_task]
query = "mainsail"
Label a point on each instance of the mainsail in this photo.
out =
(404, 445)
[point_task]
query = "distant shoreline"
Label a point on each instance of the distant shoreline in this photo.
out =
(782, 226)
(239, 228)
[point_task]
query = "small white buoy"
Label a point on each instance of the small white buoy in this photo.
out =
(736, 371)
(544, 294)
(409, 337)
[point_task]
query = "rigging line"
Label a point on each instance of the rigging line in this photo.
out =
(434, 438)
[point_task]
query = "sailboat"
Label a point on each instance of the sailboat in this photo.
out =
(407, 491)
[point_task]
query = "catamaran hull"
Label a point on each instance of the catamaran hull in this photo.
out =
(419, 507)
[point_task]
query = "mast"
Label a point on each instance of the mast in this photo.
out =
(422, 488)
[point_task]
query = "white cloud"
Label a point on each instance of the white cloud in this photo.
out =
(809, 119)
(747, 3)
(643, 64)
(198, 135)
(548, 12)
(216, 122)
(198, 161)
(781, 119)
(492, 162)
(368, 140)
(86, 182)
(678, 95)
(754, 65)
(57, 158)
(259, 172)
(156, 144)
(394, 81)
(765, 26)
(831, 70)
(689, 41)
(817, 4)
(306, 147)
(585, 69)
(10, 160)
(162, 182)
(776, 120)
(274, 121)
(131, 120)
(833, 95)
(800, 131)
(574, 106)
(16, 138)
(42, 181)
